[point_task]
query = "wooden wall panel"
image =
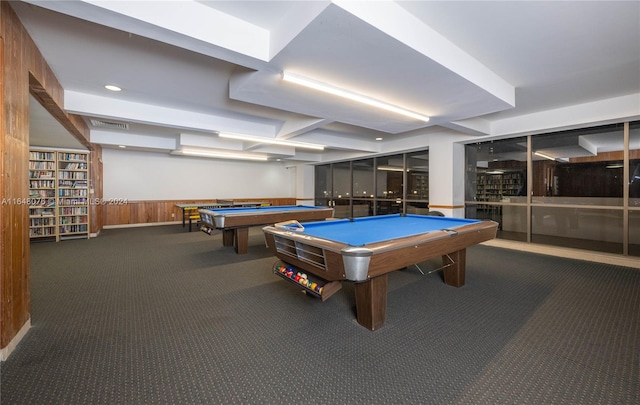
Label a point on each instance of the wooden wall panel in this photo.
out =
(160, 211)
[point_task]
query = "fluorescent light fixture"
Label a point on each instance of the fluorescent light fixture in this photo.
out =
(326, 88)
(112, 87)
(615, 166)
(544, 156)
(494, 172)
(221, 155)
(259, 139)
(391, 168)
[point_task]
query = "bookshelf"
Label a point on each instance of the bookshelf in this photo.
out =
(42, 194)
(495, 187)
(59, 194)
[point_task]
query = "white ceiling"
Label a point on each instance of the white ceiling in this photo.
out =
(191, 69)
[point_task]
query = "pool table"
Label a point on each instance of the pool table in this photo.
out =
(365, 250)
(235, 222)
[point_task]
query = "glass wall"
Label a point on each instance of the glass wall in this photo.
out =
(375, 186)
(342, 189)
(577, 193)
(363, 187)
(417, 200)
(390, 172)
(634, 189)
(496, 185)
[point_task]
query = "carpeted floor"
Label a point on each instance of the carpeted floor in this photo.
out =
(159, 315)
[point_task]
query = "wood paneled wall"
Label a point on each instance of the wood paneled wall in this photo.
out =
(158, 211)
(23, 70)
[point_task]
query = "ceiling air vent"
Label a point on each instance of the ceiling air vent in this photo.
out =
(111, 125)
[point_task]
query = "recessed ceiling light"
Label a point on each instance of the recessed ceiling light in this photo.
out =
(122, 146)
(378, 139)
(112, 87)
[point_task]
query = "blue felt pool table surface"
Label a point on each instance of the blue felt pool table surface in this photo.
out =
(367, 230)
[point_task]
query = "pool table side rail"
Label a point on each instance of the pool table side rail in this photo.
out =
(265, 217)
(324, 257)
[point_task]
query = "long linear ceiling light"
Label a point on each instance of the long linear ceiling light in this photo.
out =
(222, 155)
(259, 139)
(544, 156)
(326, 88)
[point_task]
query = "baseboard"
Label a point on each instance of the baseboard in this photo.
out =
(6, 351)
(578, 254)
(141, 225)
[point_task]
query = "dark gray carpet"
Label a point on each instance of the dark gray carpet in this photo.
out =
(159, 315)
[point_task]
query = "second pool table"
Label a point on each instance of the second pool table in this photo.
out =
(235, 222)
(365, 250)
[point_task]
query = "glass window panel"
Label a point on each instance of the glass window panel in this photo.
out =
(579, 167)
(634, 164)
(342, 189)
(388, 207)
(634, 233)
(389, 177)
(581, 228)
(363, 178)
(513, 223)
(419, 208)
(341, 180)
(362, 208)
(342, 208)
(418, 176)
(323, 186)
(496, 171)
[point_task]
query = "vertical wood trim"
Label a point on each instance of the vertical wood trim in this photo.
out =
(4, 269)
(96, 211)
(14, 238)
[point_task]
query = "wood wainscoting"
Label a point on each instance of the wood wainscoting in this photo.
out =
(123, 212)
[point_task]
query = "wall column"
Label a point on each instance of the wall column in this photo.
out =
(446, 177)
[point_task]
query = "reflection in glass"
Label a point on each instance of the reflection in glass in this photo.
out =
(496, 171)
(513, 223)
(580, 228)
(388, 207)
(389, 177)
(579, 167)
(418, 176)
(362, 208)
(323, 187)
(634, 233)
(363, 178)
(342, 189)
(634, 164)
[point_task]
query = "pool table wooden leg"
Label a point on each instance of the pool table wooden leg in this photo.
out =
(454, 274)
(241, 240)
(228, 236)
(371, 302)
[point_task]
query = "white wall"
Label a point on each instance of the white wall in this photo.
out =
(137, 175)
